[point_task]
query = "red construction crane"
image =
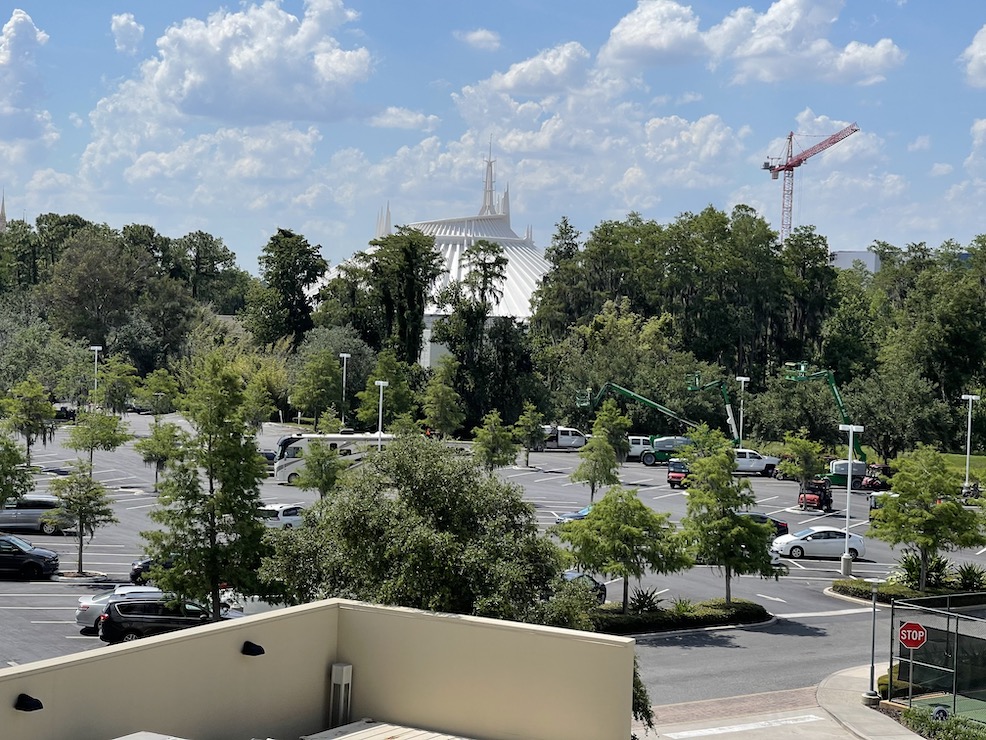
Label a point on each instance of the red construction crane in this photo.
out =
(790, 162)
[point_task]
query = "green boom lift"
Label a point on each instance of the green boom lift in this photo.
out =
(798, 372)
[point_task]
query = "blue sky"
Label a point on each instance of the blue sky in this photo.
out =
(239, 119)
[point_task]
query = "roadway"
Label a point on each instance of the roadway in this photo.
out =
(814, 635)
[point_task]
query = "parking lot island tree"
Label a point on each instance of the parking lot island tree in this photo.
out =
(529, 431)
(165, 443)
(803, 458)
(210, 495)
(29, 413)
(623, 538)
(322, 468)
(598, 466)
(493, 445)
(717, 531)
(15, 477)
(442, 405)
(927, 516)
(83, 500)
(95, 430)
(318, 384)
(613, 425)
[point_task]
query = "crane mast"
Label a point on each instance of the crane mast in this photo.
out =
(792, 161)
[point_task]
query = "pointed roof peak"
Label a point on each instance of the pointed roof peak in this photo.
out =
(489, 191)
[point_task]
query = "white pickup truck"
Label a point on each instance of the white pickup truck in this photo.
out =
(751, 461)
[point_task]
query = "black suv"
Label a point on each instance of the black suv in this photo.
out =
(132, 619)
(20, 557)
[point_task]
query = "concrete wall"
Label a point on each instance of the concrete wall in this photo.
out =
(479, 678)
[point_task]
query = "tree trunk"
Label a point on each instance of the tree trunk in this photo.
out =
(923, 575)
(626, 595)
(81, 536)
(729, 586)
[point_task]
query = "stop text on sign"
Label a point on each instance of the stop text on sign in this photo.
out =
(912, 635)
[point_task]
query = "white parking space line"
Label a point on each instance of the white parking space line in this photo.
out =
(772, 598)
(81, 637)
(666, 495)
(764, 500)
(52, 621)
(834, 613)
(37, 608)
(523, 473)
(145, 506)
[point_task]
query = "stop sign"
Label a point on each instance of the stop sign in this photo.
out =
(912, 635)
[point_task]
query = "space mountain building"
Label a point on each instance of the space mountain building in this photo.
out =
(526, 265)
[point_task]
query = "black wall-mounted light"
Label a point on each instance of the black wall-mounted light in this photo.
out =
(252, 649)
(27, 703)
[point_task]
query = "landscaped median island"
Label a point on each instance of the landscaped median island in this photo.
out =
(679, 615)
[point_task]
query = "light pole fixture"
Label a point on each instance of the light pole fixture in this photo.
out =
(345, 359)
(742, 380)
(872, 696)
(853, 429)
(381, 384)
(968, 437)
(95, 349)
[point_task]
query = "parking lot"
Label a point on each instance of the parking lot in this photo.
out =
(37, 618)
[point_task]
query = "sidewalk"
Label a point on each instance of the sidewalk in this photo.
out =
(833, 709)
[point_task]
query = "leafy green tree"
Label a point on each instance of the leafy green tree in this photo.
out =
(405, 265)
(159, 391)
(927, 515)
(117, 382)
(209, 497)
(900, 408)
(486, 273)
(529, 431)
(202, 260)
(493, 444)
(318, 385)
(322, 469)
(623, 538)
(598, 466)
(613, 425)
(804, 458)
(442, 404)
(15, 477)
(289, 267)
(164, 444)
(83, 500)
(29, 413)
(421, 527)
(717, 531)
(398, 398)
(95, 430)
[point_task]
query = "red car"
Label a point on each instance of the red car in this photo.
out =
(678, 473)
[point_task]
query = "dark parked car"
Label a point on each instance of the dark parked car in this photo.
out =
(779, 526)
(598, 589)
(20, 557)
(131, 619)
(139, 570)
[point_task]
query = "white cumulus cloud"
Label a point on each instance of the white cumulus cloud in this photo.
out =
(394, 117)
(921, 143)
(552, 70)
(975, 59)
(480, 38)
(127, 32)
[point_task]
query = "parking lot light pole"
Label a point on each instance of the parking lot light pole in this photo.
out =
(853, 429)
(742, 380)
(96, 349)
(345, 358)
(968, 437)
(381, 384)
(872, 696)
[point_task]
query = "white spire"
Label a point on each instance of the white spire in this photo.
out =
(505, 204)
(489, 203)
(3, 212)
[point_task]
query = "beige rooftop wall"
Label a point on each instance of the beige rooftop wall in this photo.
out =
(475, 677)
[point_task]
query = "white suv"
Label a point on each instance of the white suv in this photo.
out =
(282, 516)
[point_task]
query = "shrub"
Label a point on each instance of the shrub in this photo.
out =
(920, 720)
(644, 600)
(681, 606)
(886, 592)
(611, 620)
(909, 568)
(970, 577)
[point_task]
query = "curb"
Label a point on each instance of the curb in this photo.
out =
(89, 577)
(698, 630)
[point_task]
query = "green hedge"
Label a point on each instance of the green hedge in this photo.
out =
(919, 720)
(886, 592)
(713, 613)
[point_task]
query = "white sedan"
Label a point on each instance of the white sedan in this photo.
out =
(819, 542)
